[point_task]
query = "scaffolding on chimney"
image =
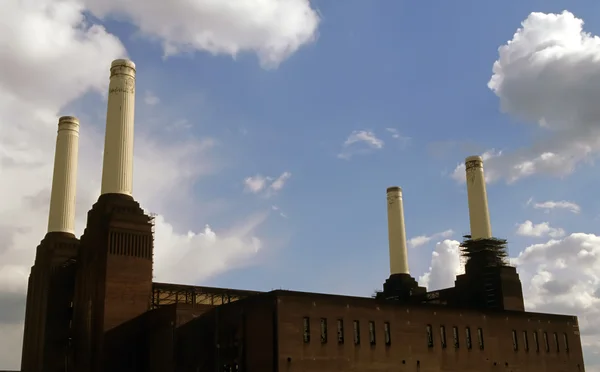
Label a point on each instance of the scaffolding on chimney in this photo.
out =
(152, 218)
(481, 253)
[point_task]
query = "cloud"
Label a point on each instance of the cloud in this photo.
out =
(563, 276)
(280, 181)
(560, 276)
(489, 173)
(37, 82)
(360, 142)
(445, 265)
(549, 205)
(277, 209)
(150, 98)
(255, 184)
(395, 134)
(420, 240)
(10, 352)
(548, 75)
(271, 29)
(543, 229)
(363, 136)
(194, 257)
(267, 185)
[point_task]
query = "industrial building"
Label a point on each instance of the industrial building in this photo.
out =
(92, 305)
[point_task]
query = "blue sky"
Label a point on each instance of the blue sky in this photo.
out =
(272, 94)
(418, 68)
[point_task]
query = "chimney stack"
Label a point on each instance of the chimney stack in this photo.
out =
(117, 167)
(478, 206)
(396, 232)
(61, 217)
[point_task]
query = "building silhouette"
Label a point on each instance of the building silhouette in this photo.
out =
(92, 304)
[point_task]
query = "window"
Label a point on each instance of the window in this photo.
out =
(566, 342)
(323, 330)
(546, 342)
(306, 329)
(340, 329)
(372, 333)
(480, 337)
(556, 343)
(515, 341)
(429, 336)
(469, 344)
(356, 333)
(387, 333)
(536, 341)
(455, 334)
(525, 341)
(443, 336)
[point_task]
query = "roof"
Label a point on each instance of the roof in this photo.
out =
(369, 300)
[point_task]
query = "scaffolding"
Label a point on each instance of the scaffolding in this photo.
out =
(152, 218)
(164, 294)
(481, 253)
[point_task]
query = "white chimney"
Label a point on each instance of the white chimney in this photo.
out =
(61, 217)
(117, 168)
(478, 206)
(396, 232)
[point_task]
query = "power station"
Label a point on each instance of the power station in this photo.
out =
(92, 305)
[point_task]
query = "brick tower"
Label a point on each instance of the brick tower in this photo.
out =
(488, 282)
(114, 279)
(46, 338)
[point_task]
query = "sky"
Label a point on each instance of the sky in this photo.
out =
(267, 132)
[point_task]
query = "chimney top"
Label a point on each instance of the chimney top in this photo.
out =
(122, 62)
(68, 119)
(68, 123)
(474, 162)
(394, 188)
(476, 158)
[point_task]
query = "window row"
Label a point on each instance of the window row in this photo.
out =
(536, 343)
(340, 331)
(455, 337)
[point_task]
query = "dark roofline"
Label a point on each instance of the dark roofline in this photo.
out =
(280, 292)
(173, 286)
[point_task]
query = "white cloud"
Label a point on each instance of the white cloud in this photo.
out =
(272, 29)
(445, 265)
(255, 184)
(364, 136)
(10, 351)
(543, 229)
(360, 142)
(549, 75)
(490, 174)
(563, 276)
(393, 132)
(267, 185)
(420, 240)
(54, 56)
(178, 125)
(277, 209)
(549, 205)
(280, 181)
(150, 98)
(398, 137)
(194, 257)
(560, 276)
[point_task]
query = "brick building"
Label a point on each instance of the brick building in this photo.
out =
(92, 305)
